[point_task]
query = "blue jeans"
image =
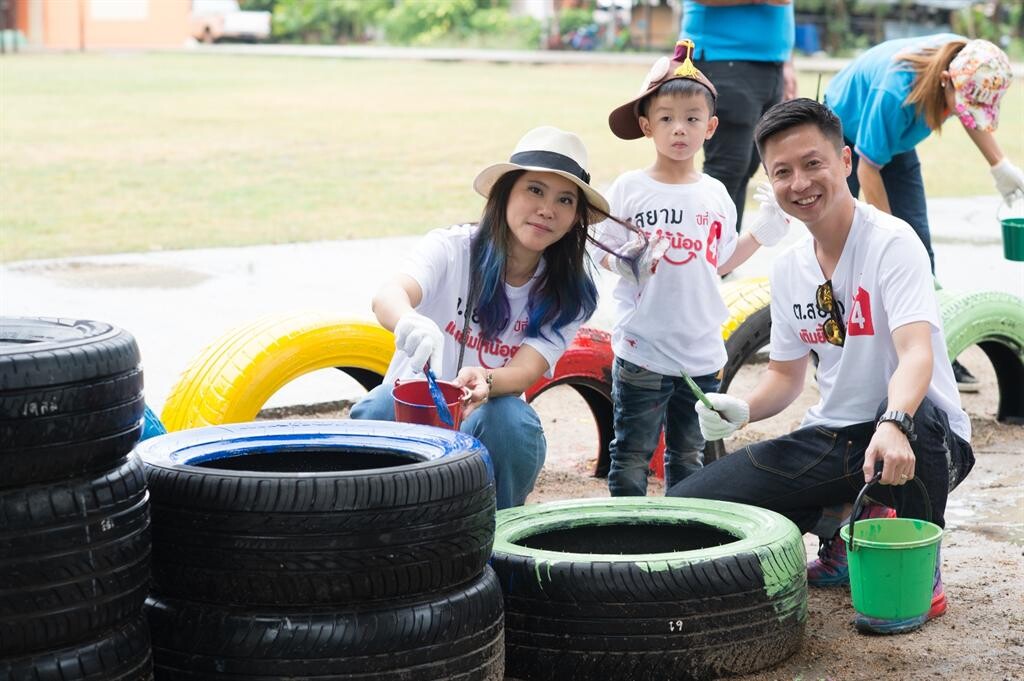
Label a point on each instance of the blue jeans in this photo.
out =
(507, 426)
(807, 470)
(904, 186)
(644, 402)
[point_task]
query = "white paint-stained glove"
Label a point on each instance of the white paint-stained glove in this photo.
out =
(770, 224)
(647, 258)
(730, 414)
(421, 339)
(1009, 180)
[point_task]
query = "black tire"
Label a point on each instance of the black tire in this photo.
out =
(455, 635)
(317, 512)
(70, 398)
(74, 558)
(749, 338)
(648, 588)
(121, 654)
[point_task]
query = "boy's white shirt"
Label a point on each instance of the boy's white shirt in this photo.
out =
(882, 280)
(673, 322)
(440, 265)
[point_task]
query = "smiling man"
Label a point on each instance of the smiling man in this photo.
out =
(858, 293)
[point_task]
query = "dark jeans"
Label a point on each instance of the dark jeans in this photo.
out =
(905, 188)
(644, 402)
(746, 89)
(507, 426)
(812, 468)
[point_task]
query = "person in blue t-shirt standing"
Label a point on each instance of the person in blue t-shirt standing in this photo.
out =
(745, 49)
(894, 96)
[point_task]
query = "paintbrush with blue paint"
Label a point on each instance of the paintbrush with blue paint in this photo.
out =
(443, 412)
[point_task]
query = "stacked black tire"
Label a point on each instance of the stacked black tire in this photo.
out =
(74, 516)
(340, 550)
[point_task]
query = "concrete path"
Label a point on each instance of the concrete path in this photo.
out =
(811, 64)
(177, 302)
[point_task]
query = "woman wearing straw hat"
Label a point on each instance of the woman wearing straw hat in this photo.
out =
(520, 276)
(894, 96)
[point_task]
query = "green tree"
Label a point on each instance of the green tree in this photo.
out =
(429, 21)
(326, 21)
(258, 5)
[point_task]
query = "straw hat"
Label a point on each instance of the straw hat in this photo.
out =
(548, 150)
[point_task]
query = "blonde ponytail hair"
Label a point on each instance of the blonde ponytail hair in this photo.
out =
(927, 95)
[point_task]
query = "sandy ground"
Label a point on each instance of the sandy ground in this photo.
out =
(981, 637)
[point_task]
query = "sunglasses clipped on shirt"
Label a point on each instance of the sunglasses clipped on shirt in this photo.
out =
(834, 328)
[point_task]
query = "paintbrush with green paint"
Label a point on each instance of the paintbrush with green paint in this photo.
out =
(697, 392)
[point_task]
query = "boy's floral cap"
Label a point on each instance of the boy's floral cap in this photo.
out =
(624, 120)
(981, 74)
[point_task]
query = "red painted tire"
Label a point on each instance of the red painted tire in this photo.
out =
(586, 366)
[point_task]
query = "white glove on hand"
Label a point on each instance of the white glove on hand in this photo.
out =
(421, 339)
(730, 415)
(646, 260)
(770, 224)
(1009, 180)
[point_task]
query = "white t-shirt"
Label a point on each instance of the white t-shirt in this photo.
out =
(440, 265)
(882, 281)
(674, 322)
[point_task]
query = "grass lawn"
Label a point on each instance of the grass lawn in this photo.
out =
(115, 153)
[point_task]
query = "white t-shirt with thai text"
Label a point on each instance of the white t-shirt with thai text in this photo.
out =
(673, 322)
(882, 281)
(440, 265)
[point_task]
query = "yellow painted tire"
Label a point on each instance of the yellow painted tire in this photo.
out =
(231, 380)
(744, 297)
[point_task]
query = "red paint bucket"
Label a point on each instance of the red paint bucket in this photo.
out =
(413, 403)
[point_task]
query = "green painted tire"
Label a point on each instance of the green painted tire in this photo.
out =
(648, 587)
(994, 322)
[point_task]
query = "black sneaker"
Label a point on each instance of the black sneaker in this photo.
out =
(965, 380)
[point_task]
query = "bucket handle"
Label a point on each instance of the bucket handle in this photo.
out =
(466, 393)
(859, 503)
(1017, 198)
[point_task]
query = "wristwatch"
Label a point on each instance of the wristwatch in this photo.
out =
(901, 419)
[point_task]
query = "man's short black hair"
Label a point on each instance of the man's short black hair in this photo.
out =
(678, 86)
(794, 112)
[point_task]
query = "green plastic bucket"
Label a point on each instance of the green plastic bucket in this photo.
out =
(892, 566)
(1013, 238)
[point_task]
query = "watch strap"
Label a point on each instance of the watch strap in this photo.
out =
(902, 420)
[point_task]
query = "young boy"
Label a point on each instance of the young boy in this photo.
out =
(669, 315)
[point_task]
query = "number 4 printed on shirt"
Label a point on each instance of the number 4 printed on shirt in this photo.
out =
(714, 236)
(860, 323)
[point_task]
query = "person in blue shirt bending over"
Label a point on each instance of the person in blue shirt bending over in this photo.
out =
(745, 49)
(894, 96)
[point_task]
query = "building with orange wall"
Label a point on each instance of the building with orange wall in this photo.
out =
(101, 24)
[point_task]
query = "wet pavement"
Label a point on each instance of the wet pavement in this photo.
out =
(177, 302)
